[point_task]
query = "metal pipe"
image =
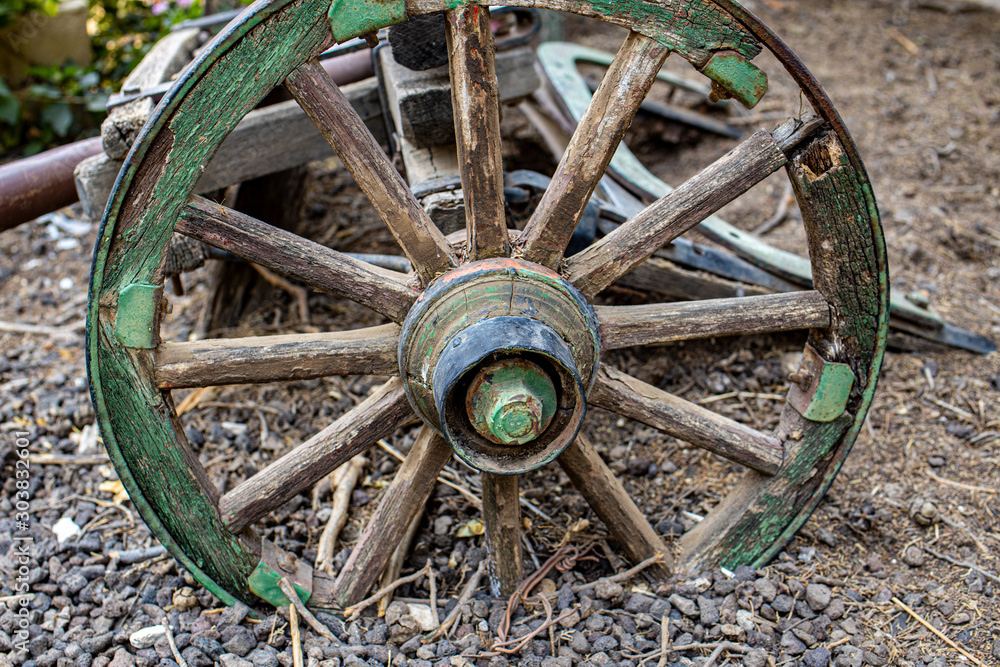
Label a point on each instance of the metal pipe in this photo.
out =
(41, 183)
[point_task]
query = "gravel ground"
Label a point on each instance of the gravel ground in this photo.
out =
(890, 546)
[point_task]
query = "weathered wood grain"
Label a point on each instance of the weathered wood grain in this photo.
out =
(613, 504)
(167, 57)
(376, 417)
(204, 363)
(291, 255)
(632, 398)
(670, 216)
(594, 142)
(403, 500)
(502, 518)
(475, 102)
(268, 139)
(659, 323)
(340, 125)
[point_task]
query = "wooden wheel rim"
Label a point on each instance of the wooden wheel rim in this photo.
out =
(276, 36)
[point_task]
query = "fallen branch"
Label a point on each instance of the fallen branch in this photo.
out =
(173, 645)
(623, 576)
(470, 586)
(352, 612)
(293, 622)
(43, 330)
(345, 479)
(962, 563)
(289, 591)
(960, 485)
(937, 632)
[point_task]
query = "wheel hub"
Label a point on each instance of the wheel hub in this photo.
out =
(498, 357)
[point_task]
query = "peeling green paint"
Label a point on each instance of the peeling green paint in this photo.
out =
(354, 18)
(136, 322)
(832, 393)
(263, 582)
(739, 77)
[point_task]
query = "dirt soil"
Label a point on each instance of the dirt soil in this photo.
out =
(915, 510)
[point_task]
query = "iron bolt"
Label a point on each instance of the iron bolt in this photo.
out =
(801, 377)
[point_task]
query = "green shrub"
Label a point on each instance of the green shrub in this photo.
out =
(59, 104)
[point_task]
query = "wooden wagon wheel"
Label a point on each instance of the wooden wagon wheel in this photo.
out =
(494, 341)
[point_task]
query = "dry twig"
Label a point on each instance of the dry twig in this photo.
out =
(289, 591)
(344, 479)
(470, 586)
(173, 645)
(293, 621)
(937, 632)
(352, 612)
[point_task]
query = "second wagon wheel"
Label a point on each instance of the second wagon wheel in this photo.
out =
(493, 341)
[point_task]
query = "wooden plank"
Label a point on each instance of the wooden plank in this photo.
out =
(403, 500)
(502, 517)
(660, 323)
(475, 105)
(632, 398)
(376, 417)
(594, 142)
(613, 504)
(670, 216)
(204, 363)
(340, 125)
(291, 255)
(167, 57)
(269, 139)
(661, 276)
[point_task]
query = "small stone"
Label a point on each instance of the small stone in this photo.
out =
(744, 619)
(767, 589)
(210, 647)
(961, 618)
(421, 613)
(683, 604)
(184, 599)
(874, 563)
(817, 657)
(638, 603)
(122, 659)
(708, 612)
(783, 603)
(607, 589)
(240, 643)
(818, 596)
(836, 610)
(755, 658)
(579, 643)
(914, 556)
(146, 637)
(791, 644)
(262, 658)
(230, 660)
(849, 656)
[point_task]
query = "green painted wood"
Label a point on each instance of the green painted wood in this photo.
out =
(140, 432)
(137, 323)
(847, 251)
(263, 582)
(694, 30)
(354, 18)
(736, 75)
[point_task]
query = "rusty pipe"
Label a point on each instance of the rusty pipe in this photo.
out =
(43, 183)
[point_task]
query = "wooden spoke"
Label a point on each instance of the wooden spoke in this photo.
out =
(376, 417)
(502, 516)
(670, 216)
(476, 105)
(654, 407)
(594, 142)
(403, 500)
(204, 363)
(343, 129)
(291, 255)
(659, 323)
(612, 503)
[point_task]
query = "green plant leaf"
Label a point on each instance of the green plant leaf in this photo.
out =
(97, 102)
(59, 117)
(9, 109)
